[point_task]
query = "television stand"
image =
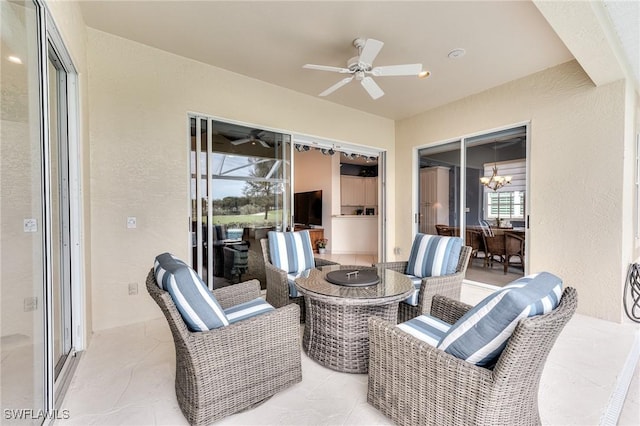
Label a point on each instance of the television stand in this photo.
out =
(315, 234)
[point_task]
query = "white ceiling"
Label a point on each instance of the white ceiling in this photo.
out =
(270, 41)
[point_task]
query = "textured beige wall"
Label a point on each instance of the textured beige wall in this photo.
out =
(576, 188)
(139, 98)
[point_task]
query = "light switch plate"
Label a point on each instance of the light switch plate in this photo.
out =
(131, 222)
(30, 225)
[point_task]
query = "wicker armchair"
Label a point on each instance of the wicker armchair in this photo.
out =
(414, 383)
(446, 285)
(233, 368)
(278, 285)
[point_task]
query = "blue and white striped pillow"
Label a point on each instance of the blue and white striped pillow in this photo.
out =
(481, 334)
(434, 255)
(197, 305)
(291, 251)
(248, 309)
(426, 328)
(164, 266)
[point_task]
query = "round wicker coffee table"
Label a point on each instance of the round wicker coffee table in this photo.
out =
(336, 331)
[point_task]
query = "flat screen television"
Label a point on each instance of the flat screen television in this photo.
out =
(307, 208)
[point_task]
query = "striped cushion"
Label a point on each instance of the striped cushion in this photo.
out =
(417, 282)
(248, 309)
(164, 266)
(291, 279)
(481, 334)
(434, 255)
(291, 251)
(426, 328)
(197, 305)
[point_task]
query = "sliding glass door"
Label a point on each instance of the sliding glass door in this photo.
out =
(476, 188)
(240, 190)
(36, 217)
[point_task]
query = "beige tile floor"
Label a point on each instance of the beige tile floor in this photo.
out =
(126, 376)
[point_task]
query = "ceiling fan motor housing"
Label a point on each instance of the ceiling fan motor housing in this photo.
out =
(355, 65)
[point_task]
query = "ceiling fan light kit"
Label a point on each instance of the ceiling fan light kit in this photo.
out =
(361, 69)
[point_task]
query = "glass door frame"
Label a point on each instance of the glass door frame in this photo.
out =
(68, 127)
(463, 186)
(285, 155)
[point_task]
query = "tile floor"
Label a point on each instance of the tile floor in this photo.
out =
(126, 376)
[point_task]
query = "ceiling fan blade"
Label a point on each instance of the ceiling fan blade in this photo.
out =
(326, 68)
(393, 70)
(372, 87)
(370, 51)
(336, 86)
(241, 141)
(263, 143)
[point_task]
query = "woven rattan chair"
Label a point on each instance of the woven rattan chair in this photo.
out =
(513, 247)
(232, 368)
(495, 250)
(414, 383)
(475, 240)
(446, 285)
(277, 283)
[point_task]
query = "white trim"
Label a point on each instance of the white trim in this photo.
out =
(613, 409)
(462, 141)
(478, 284)
(314, 141)
(47, 303)
(637, 189)
(415, 195)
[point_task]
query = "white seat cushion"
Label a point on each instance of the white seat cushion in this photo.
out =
(413, 299)
(248, 309)
(426, 328)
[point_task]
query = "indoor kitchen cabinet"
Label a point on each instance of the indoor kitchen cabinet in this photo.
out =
(358, 191)
(434, 198)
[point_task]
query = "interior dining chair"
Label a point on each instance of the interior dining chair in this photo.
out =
(474, 239)
(514, 247)
(495, 250)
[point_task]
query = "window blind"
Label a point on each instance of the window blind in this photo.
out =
(514, 168)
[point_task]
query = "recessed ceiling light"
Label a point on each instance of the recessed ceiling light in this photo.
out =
(424, 74)
(14, 59)
(457, 53)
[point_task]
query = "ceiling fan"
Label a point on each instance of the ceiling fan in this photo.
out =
(253, 137)
(361, 68)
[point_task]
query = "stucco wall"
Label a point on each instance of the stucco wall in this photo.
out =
(139, 98)
(576, 190)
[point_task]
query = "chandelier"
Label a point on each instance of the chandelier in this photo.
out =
(496, 181)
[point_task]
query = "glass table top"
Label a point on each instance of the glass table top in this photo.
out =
(391, 283)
